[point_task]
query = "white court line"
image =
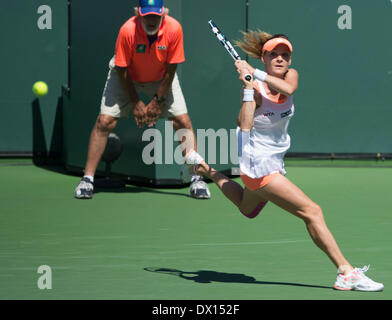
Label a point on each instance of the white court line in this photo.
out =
(246, 243)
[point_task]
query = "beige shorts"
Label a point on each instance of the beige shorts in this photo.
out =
(115, 101)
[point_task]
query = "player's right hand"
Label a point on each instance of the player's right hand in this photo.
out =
(139, 111)
(242, 73)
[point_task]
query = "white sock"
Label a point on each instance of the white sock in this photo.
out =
(193, 158)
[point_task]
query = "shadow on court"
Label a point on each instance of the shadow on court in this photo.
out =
(208, 276)
(138, 189)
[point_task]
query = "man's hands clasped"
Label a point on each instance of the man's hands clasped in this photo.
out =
(139, 111)
(154, 110)
(147, 115)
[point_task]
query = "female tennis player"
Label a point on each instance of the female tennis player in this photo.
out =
(267, 107)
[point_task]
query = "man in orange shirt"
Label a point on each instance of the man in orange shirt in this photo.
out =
(148, 49)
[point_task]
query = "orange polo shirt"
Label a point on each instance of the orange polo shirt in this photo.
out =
(147, 63)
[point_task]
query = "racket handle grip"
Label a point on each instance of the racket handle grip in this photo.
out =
(248, 77)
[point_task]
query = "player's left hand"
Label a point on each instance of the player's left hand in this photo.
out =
(243, 73)
(154, 110)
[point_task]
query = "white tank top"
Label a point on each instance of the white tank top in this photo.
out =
(261, 151)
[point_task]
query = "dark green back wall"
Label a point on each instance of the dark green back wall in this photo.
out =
(342, 103)
(29, 54)
(205, 78)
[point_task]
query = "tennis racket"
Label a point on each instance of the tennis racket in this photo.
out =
(226, 43)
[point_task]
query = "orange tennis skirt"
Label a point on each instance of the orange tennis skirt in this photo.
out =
(257, 183)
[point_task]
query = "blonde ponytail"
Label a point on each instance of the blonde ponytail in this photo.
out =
(253, 42)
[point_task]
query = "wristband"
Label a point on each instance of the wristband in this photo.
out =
(260, 75)
(248, 95)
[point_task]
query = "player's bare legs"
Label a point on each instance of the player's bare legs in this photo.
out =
(289, 197)
(245, 200)
(183, 126)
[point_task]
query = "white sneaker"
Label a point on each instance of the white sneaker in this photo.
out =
(356, 280)
(84, 189)
(199, 189)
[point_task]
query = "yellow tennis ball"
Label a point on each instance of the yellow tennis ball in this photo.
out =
(40, 88)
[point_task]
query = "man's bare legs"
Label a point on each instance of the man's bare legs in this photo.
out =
(183, 126)
(98, 139)
(105, 124)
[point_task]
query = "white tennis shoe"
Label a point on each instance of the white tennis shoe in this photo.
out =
(356, 280)
(84, 189)
(198, 188)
